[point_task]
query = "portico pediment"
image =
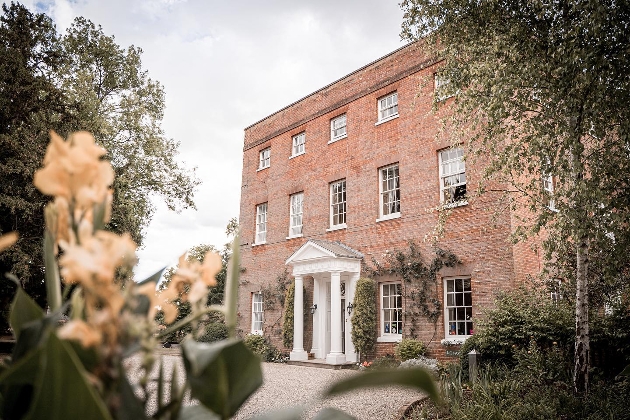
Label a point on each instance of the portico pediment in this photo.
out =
(316, 256)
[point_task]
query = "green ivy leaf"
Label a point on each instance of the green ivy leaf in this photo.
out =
(221, 375)
(62, 390)
(416, 378)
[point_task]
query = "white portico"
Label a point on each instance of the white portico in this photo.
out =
(335, 269)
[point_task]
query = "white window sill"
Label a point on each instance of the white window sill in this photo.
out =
(337, 138)
(454, 340)
(337, 227)
(262, 169)
(299, 154)
(258, 244)
(394, 338)
(388, 217)
(393, 117)
(257, 332)
(455, 204)
(294, 236)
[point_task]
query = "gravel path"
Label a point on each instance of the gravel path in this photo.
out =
(286, 386)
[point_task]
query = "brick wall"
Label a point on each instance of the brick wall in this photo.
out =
(474, 232)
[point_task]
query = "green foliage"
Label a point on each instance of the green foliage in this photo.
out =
(418, 379)
(80, 80)
(541, 90)
(410, 348)
(518, 317)
(419, 279)
(364, 316)
(287, 324)
(385, 362)
(259, 345)
(214, 331)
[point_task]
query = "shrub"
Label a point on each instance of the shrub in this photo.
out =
(260, 345)
(215, 331)
(287, 324)
(385, 362)
(364, 316)
(410, 348)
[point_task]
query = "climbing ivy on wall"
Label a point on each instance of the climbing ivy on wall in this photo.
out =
(420, 280)
(287, 324)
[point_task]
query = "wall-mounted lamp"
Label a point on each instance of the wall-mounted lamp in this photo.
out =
(349, 308)
(313, 308)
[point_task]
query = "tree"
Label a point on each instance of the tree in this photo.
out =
(80, 81)
(364, 316)
(541, 89)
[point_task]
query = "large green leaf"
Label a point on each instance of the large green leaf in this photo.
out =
(130, 408)
(16, 385)
(416, 378)
(23, 311)
(221, 375)
(62, 390)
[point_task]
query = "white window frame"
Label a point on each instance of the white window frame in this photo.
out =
(261, 224)
(338, 128)
(296, 210)
(386, 334)
(388, 194)
(452, 164)
(264, 158)
(258, 313)
(387, 107)
(461, 306)
(338, 204)
(299, 144)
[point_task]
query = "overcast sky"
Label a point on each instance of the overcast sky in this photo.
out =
(225, 65)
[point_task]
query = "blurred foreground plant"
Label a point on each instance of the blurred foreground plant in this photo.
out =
(78, 369)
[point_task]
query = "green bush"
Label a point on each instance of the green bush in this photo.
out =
(215, 331)
(260, 345)
(385, 362)
(364, 316)
(410, 348)
(287, 324)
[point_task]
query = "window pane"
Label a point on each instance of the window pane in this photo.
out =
(459, 299)
(467, 299)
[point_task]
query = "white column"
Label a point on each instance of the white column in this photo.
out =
(316, 301)
(335, 357)
(298, 352)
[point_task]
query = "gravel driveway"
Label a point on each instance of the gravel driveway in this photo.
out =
(287, 386)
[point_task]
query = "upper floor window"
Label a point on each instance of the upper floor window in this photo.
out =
(458, 308)
(391, 309)
(295, 224)
(388, 107)
(261, 223)
(441, 86)
(452, 176)
(548, 187)
(298, 144)
(265, 158)
(338, 128)
(257, 313)
(338, 204)
(389, 194)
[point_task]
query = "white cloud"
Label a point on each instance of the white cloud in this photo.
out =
(224, 66)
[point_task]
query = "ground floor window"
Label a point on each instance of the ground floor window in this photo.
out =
(257, 313)
(458, 307)
(391, 309)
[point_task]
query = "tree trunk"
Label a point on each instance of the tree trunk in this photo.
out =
(582, 341)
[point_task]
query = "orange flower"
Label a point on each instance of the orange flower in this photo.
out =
(210, 267)
(80, 331)
(8, 240)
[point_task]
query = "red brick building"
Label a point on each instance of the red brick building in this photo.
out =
(347, 174)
